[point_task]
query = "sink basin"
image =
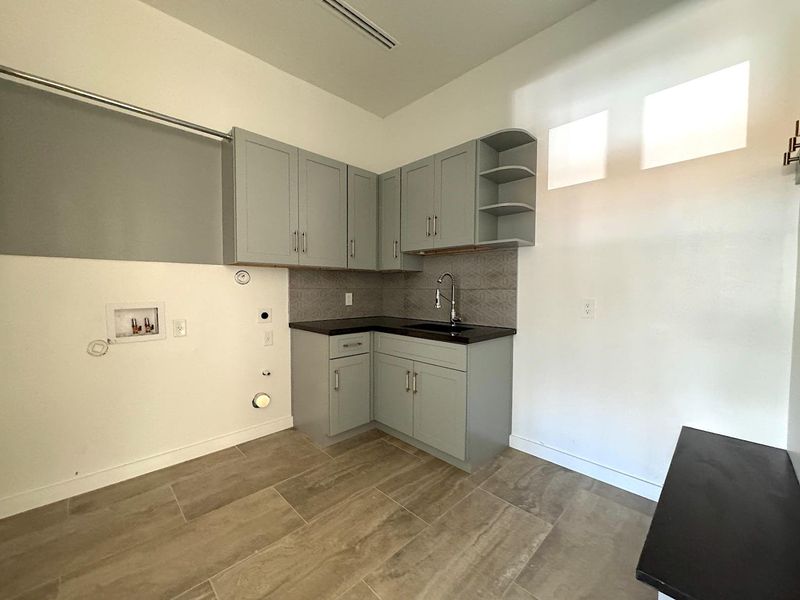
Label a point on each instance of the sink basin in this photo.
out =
(439, 327)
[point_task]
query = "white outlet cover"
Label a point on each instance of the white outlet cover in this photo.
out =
(267, 318)
(588, 308)
(268, 337)
(179, 327)
(348, 298)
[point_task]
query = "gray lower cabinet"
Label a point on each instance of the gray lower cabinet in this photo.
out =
(322, 211)
(259, 201)
(393, 397)
(349, 392)
(390, 256)
(331, 384)
(440, 408)
(362, 219)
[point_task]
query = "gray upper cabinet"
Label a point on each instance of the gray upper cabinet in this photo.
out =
(438, 200)
(259, 200)
(417, 206)
(390, 257)
(454, 196)
(392, 400)
(322, 211)
(362, 219)
(440, 408)
(349, 393)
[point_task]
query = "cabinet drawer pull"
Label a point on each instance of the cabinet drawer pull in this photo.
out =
(414, 383)
(352, 248)
(435, 228)
(427, 227)
(395, 248)
(304, 241)
(294, 237)
(408, 380)
(351, 344)
(336, 379)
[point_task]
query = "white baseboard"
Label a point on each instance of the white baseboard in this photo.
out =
(11, 505)
(627, 482)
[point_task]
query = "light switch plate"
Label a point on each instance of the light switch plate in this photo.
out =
(348, 298)
(268, 337)
(588, 308)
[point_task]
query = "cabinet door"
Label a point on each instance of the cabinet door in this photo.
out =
(417, 206)
(389, 214)
(323, 211)
(261, 218)
(440, 408)
(350, 390)
(362, 219)
(454, 196)
(393, 400)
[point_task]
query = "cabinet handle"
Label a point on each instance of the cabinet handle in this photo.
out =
(336, 379)
(408, 380)
(304, 241)
(435, 228)
(427, 227)
(294, 236)
(395, 248)
(414, 383)
(352, 248)
(351, 345)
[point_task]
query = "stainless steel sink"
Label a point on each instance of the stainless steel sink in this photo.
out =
(439, 327)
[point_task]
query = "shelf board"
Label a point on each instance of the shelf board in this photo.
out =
(509, 173)
(506, 208)
(505, 139)
(506, 243)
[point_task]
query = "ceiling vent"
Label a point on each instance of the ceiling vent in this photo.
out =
(360, 22)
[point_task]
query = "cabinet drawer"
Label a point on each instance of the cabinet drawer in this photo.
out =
(349, 344)
(451, 356)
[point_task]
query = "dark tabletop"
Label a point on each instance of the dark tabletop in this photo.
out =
(727, 525)
(476, 333)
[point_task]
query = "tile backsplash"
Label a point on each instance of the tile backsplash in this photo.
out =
(486, 290)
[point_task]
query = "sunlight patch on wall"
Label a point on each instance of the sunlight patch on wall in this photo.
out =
(704, 116)
(577, 151)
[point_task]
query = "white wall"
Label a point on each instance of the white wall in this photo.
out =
(793, 432)
(692, 264)
(146, 405)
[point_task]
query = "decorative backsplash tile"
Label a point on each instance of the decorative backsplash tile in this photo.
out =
(486, 284)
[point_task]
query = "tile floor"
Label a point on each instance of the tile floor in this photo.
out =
(370, 518)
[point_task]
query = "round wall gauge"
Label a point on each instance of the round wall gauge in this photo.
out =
(242, 277)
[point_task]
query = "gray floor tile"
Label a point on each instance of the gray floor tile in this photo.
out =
(33, 520)
(176, 562)
(591, 554)
(354, 442)
(643, 505)
(515, 592)
(472, 552)
(130, 487)
(81, 540)
(429, 489)
(540, 487)
(204, 591)
(269, 460)
(326, 557)
(360, 591)
(405, 446)
(325, 486)
(48, 591)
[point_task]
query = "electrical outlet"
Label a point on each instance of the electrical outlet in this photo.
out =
(588, 308)
(179, 327)
(348, 298)
(268, 337)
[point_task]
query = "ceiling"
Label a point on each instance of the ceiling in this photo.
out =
(438, 40)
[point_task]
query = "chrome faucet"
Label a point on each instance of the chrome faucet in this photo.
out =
(454, 318)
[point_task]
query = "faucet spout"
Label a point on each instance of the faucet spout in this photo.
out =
(454, 318)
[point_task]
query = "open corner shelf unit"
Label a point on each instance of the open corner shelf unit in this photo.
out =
(506, 206)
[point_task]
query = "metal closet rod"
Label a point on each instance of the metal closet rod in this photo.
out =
(111, 102)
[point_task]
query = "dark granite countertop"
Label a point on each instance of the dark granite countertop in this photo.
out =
(475, 333)
(727, 525)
